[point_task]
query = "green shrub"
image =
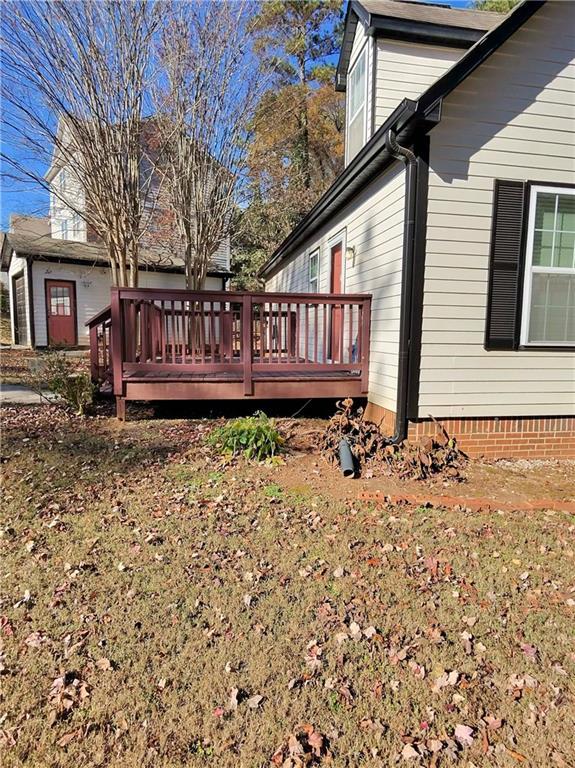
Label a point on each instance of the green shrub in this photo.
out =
(59, 374)
(256, 437)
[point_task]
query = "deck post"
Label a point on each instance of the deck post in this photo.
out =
(247, 351)
(121, 408)
(365, 341)
(94, 355)
(116, 341)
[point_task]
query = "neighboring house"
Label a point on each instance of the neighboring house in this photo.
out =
(58, 272)
(456, 211)
(57, 285)
(68, 201)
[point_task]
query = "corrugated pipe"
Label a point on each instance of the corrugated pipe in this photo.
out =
(409, 159)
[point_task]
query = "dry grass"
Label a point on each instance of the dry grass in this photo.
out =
(159, 580)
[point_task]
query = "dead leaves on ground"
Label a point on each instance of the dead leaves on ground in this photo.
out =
(434, 455)
(307, 746)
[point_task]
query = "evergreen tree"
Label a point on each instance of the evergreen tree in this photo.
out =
(296, 147)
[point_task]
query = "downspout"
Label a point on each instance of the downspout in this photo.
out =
(408, 158)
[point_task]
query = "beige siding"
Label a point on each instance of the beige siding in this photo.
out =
(92, 291)
(406, 70)
(373, 225)
(514, 118)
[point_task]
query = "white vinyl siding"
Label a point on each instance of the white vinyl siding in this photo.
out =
(222, 256)
(513, 118)
(373, 229)
(406, 70)
(92, 291)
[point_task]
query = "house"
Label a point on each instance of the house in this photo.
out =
(57, 285)
(456, 212)
(58, 271)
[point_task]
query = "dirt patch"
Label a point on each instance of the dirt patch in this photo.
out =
(503, 480)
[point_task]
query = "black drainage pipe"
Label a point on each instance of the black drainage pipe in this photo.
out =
(346, 461)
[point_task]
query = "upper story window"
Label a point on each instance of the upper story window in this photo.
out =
(549, 298)
(356, 106)
(63, 180)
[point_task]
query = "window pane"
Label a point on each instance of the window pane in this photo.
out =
(313, 264)
(564, 250)
(545, 211)
(357, 86)
(355, 134)
(552, 317)
(566, 213)
(543, 249)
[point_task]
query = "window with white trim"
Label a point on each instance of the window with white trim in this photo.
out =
(549, 288)
(356, 105)
(314, 271)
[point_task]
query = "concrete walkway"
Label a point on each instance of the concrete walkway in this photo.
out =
(18, 394)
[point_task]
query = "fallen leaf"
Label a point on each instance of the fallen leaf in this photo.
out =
(254, 701)
(409, 753)
(233, 700)
(464, 735)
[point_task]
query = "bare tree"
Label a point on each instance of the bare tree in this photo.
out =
(75, 84)
(206, 97)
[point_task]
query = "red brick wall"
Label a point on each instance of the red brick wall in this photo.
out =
(493, 438)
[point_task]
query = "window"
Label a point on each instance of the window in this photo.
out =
(76, 227)
(356, 95)
(64, 229)
(314, 272)
(549, 289)
(63, 180)
(60, 301)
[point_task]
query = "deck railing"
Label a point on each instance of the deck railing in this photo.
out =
(150, 333)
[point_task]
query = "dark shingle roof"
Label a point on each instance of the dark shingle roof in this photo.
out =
(51, 248)
(429, 13)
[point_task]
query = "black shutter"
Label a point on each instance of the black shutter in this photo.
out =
(506, 266)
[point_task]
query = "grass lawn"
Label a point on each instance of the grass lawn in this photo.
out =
(159, 608)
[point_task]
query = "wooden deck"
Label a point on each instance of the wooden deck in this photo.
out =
(180, 345)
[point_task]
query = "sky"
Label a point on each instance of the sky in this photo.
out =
(18, 197)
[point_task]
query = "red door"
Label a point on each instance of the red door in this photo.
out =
(61, 312)
(336, 335)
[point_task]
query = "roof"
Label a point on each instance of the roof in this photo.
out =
(433, 14)
(71, 252)
(413, 22)
(410, 119)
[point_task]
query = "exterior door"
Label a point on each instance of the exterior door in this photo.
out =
(336, 333)
(20, 321)
(61, 312)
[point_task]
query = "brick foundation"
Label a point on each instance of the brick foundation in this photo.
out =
(497, 437)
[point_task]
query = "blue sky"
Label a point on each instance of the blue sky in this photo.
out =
(17, 197)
